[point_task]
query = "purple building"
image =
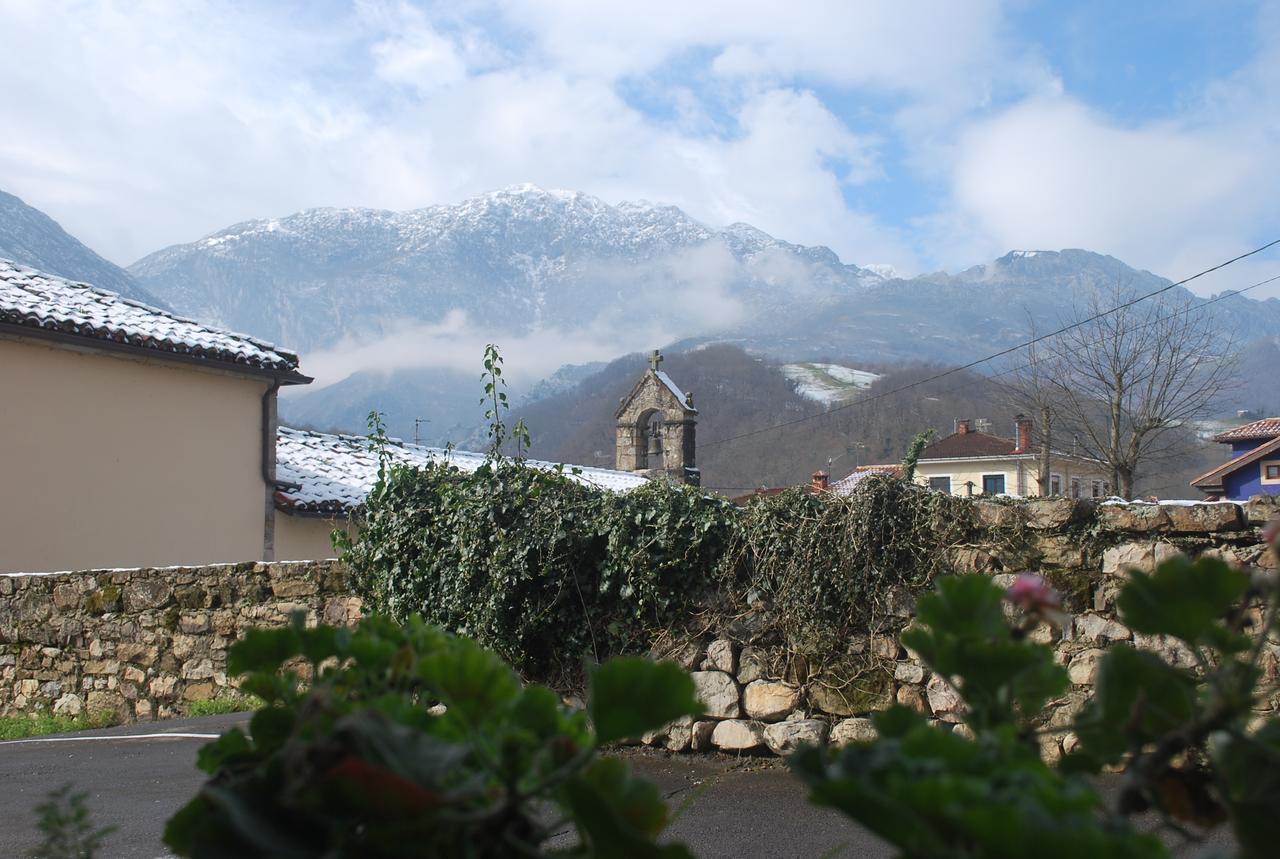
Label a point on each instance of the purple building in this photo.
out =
(1254, 467)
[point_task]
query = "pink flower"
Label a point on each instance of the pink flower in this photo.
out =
(1032, 593)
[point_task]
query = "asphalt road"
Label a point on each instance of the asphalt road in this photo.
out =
(137, 776)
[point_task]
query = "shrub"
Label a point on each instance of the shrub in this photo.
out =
(362, 763)
(1184, 736)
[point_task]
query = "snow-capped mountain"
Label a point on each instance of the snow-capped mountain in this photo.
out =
(513, 259)
(30, 237)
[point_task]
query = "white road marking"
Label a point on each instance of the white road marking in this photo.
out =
(174, 735)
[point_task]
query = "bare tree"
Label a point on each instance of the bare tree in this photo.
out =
(1129, 381)
(1033, 387)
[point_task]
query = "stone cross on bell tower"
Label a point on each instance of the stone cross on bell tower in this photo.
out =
(656, 424)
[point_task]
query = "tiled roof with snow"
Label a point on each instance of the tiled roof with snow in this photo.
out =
(37, 300)
(846, 485)
(1263, 430)
(334, 473)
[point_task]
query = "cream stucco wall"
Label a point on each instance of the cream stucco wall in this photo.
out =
(1019, 474)
(115, 462)
(304, 538)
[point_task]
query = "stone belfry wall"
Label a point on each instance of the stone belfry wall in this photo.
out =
(656, 426)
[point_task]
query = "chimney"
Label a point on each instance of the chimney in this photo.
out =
(820, 481)
(1022, 432)
(962, 426)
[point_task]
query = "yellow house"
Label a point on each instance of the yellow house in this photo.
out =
(130, 436)
(968, 462)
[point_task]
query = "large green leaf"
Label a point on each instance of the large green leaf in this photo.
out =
(1186, 600)
(1250, 776)
(263, 650)
(1138, 697)
(618, 815)
(630, 695)
(474, 683)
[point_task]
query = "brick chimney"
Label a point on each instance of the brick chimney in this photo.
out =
(1022, 432)
(963, 426)
(820, 481)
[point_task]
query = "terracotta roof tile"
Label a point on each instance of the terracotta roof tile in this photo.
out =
(968, 444)
(1263, 430)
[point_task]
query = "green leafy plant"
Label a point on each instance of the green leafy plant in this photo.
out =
(912, 458)
(390, 740)
(496, 403)
(1184, 735)
(68, 831)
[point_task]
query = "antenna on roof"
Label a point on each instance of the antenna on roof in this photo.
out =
(417, 423)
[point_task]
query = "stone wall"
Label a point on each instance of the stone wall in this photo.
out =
(762, 701)
(145, 643)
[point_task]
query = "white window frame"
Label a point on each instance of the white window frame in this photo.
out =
(1262, 472)
(1055, 477)
(1075, 487)
(947, 477)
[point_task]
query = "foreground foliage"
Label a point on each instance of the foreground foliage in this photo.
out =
(408, 741)
(67, 829)
(1183, 734)
(38, 724)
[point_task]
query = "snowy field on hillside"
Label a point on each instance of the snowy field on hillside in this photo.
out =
(828, 383)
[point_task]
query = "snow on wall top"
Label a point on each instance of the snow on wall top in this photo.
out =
(336, 472)
(36, 299)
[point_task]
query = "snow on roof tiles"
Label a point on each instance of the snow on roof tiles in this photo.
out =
(36, 299)
(335, 473)
(1263, 429)
(846, 485)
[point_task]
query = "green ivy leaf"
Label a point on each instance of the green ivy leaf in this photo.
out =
(1138, 697)
(263, 650)
(1250, 774)
(1186, 600)
(617, 815)
(630, 695)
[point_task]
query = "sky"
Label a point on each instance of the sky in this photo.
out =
(923, 135)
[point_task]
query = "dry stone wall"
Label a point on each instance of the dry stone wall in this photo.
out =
(145, 643)
(766, 702)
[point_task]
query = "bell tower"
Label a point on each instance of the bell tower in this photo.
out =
(656, 426)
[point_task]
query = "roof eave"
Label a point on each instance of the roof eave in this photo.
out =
(98, 344)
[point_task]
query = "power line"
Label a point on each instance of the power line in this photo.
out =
(1224, 295)
(994, 355)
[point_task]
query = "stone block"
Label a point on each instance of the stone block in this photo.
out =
(914, 697)
(857, 696)
(1058, 550)
(147, 593)
(992, 514)
(1096, 628)
(944, 701)
(718, 693)
(1046, 514)
(198, 669)
(1260, 509)
(1083, 669)
(1143, 555)
(700, 736)
(69, 704)
(751, 666)
(737, 735)
(785, 737)
(769, 701)
(1203, 518)
(721, 656)
(853, 731)
(909, 672)
(163, 687)
(1138, 518)
(202, 691)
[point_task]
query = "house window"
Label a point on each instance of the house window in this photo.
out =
(1096, 488)
(1055, 484)
(1075, 487)
(1271, 472)
(993, 484)
(940, 484)
(1106, 488)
